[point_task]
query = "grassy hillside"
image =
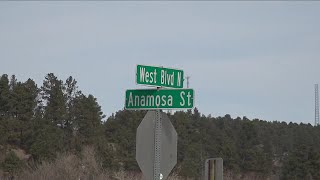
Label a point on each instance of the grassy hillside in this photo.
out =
(57, 131)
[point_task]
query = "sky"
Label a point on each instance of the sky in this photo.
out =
(244, 58)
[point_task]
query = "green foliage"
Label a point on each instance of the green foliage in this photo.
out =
(120, 131)
(53, 95)
(191, 165)
(302, 163)
(55, 118)
(245, 145)
(4, 96)
(88, 118)
(46, 142)
(58, 118)
(12, 163)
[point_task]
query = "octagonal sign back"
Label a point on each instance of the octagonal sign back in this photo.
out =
(145, 145)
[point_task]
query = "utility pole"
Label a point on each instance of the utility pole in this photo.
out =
(188, 77)
(316, 111)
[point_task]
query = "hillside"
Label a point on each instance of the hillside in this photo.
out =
(41, 126)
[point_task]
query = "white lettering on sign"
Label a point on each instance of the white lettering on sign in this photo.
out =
(143, 101)
(136, 100)
(170, 79)
(155, 76)
(142, 71)
(157, 101)
(162, 77)
(182, 98)
(189, 99)
(169, 100)
(148, 77)
(183, 101)
(150, 100)
(163, 101)
(130, 101)
(166, 78)
(179, 79)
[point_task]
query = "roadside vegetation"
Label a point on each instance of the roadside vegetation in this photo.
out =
(54, 131)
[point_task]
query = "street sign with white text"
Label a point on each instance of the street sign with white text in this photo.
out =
(159, 76)
(159, 99)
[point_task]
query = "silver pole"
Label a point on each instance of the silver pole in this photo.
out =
(316, 116)
(157, 146)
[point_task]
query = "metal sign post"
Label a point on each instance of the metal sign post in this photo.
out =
(157, 147)
(213, 169)
(156, 138)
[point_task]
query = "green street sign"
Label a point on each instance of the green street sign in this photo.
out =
(159, 76)
(159, 99)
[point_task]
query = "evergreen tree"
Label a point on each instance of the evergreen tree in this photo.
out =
(4, 96)
(88, 118)
(54, 98)
(59, 118)
(23, 102)
(72, 94)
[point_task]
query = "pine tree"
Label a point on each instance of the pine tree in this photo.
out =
(4, 96)
(71, 95)
(4, 109)
(88, 118)
(54, 99)
(23, 102)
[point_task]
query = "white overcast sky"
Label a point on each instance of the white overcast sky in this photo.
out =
(254, 59)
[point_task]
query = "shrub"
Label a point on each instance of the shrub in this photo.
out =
(12, 163)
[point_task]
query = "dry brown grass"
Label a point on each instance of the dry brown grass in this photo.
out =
(21, 154)
(121, 175)
(71, 167)
(67, 166)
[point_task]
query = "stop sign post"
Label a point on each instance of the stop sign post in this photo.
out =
(156, 138)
